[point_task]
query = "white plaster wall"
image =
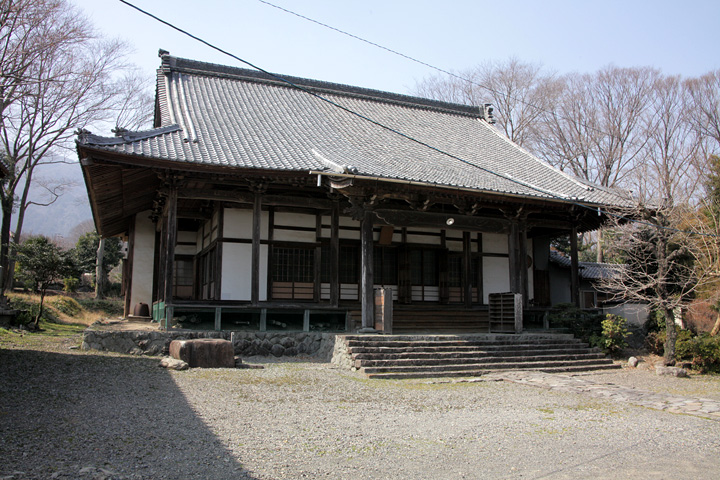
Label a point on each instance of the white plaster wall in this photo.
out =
(237, 272)
(293, 236)
(495, 243)
(289, 219)
(143, 261)
(238, 223)
(425, 239)
(496, 276)
(634, 313)
(294, 219)
(454, 246)
(186, 237)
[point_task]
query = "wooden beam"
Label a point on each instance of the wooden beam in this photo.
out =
(467, 269)
(170, 236)
(219, 254)
(128, 280)
(409, 218)
(367, 299)
(248, 198)
(335, 254)
(574, 268)
(255, 281)
(522, 257)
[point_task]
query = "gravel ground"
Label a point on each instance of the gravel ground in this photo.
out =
(71, 414)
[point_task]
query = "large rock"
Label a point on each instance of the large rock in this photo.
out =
(204, 352)
(173, 364)
(671, 371)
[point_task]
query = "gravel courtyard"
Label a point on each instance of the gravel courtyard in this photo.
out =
(71, 414)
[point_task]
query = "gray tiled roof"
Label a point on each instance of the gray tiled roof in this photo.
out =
(223, 116)
(587, 270)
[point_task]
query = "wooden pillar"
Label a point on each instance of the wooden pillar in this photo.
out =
(514, 257)
(335, 254)
(367, 299)
(574, 268)
(170, 236)
(467, 269)
(517, 248)
(523, 263)
(255, 278)
(128, 267)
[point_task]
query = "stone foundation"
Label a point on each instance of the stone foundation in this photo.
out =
(312, 344)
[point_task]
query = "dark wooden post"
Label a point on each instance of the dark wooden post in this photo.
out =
(517, 249)
(255, 279)
(170, 235)
(574, 268)
(128, 267)
(366, 270)
(514, 257)
(523, 264)
(335, 254)
(467, 269)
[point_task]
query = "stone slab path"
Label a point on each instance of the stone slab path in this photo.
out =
(701, 407)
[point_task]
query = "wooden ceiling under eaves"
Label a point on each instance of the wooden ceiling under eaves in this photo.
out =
(117, 192)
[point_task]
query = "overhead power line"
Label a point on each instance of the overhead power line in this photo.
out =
(388, 128)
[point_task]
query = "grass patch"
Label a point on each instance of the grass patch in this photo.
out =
(61, 309)
(63, 318)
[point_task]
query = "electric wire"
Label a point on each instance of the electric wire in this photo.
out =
(433, 67)
(404, 135)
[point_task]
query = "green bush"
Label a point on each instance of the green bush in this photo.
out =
(70, 284)
(29, 310)
(110, 307)
(66, 305)
(655, 342)
(584, 324)
(614, 333)
(703, 352)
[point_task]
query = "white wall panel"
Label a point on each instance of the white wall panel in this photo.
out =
(143, 261)
(496, 276)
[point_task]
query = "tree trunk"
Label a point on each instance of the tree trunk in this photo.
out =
(600, 258)
(40, 310)
(716, 328)
(22, 207)
(100, 271)
(671, 331)
(6, 206)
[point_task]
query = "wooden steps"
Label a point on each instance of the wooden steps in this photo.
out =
(422, 356)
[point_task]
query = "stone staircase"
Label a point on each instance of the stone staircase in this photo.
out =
(424, 356)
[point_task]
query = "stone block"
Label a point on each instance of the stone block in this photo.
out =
(204, 352)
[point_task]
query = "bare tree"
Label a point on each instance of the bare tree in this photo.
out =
(70, 83)
(705, 94)
(598, 130)
(668, 169)
(519, 92)
(660, 259)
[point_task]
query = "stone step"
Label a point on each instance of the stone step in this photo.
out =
(422, 361)
(493, 338)
(457, 343)
(537, 365)
(385, 355)
(487, 349)
(477, 373)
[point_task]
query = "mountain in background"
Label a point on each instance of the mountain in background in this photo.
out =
(70, 210)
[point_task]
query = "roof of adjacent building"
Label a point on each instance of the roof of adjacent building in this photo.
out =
(221, 116)
(587, 270)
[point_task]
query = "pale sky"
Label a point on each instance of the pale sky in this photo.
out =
(679, 38)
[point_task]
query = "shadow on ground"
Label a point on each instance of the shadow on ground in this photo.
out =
(70, 415)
